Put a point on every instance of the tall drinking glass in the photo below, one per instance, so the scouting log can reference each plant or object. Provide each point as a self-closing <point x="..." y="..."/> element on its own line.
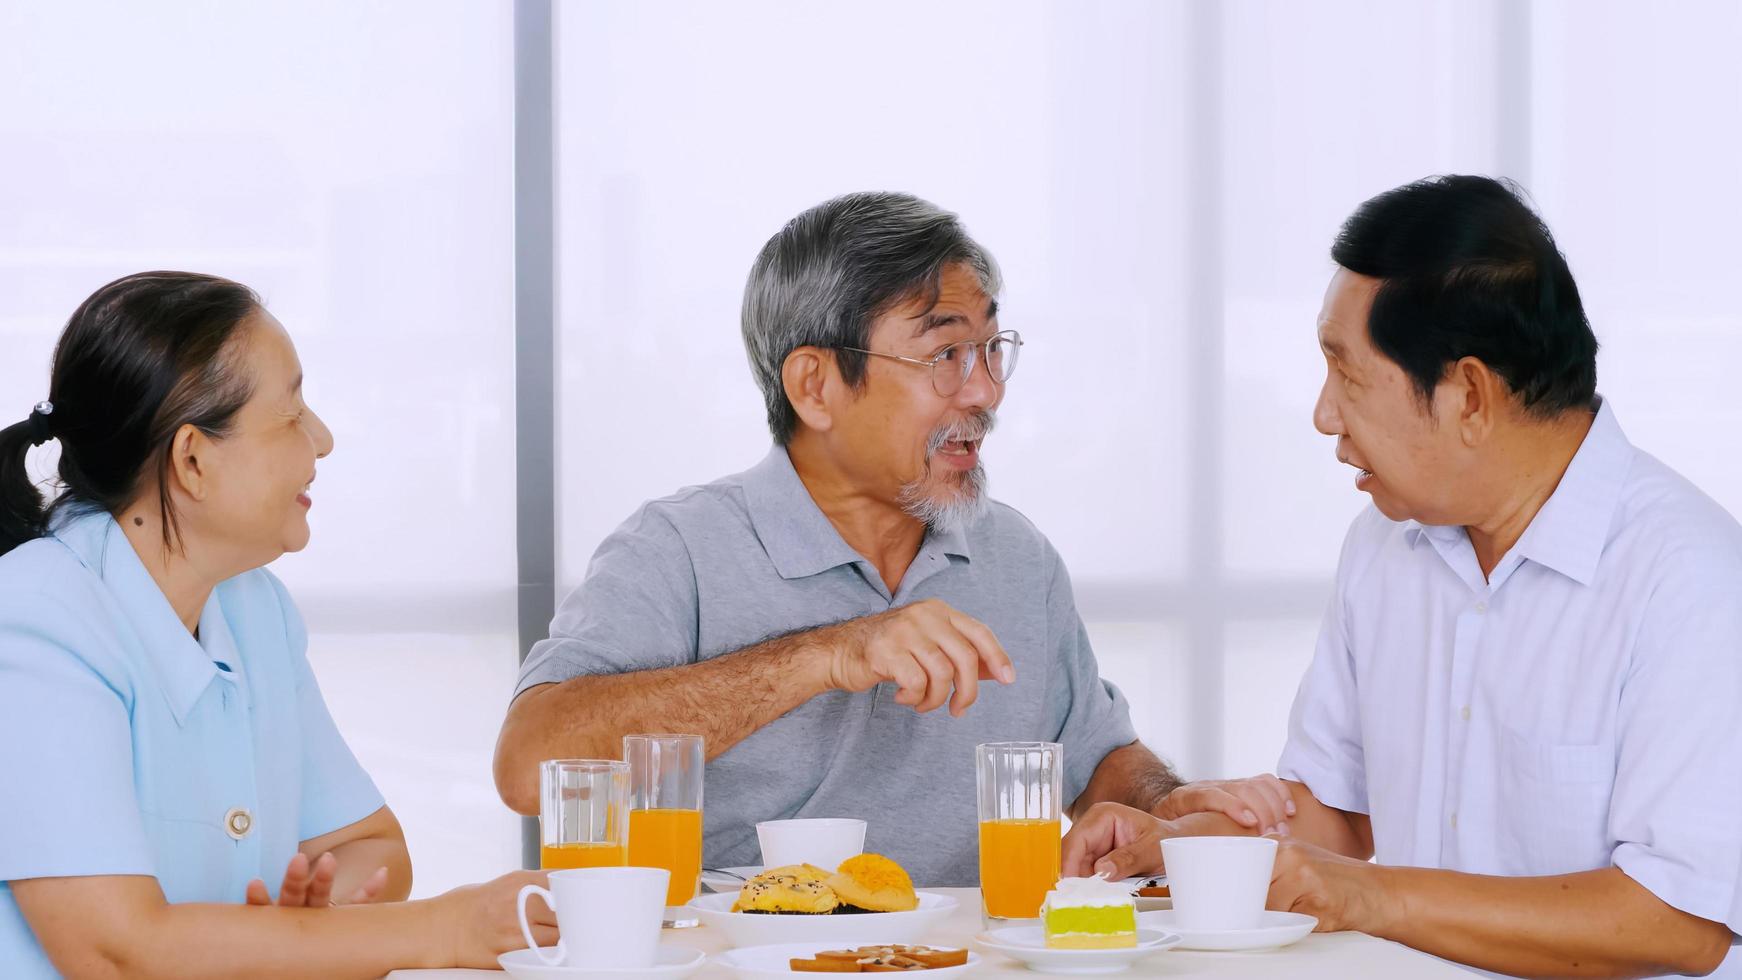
<point x="583" y="813"/>
<point x="1019" y="787"/>
<point x="665" y="813"/>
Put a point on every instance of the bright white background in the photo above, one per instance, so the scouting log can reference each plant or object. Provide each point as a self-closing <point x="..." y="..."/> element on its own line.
<point x="1160" y="182"/>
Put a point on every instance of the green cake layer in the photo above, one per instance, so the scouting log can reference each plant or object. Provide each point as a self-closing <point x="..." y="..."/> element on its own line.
<point x="1103" y="919"/>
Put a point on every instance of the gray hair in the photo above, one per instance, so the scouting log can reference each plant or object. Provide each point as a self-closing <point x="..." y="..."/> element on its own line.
<point x="823" y="279"/>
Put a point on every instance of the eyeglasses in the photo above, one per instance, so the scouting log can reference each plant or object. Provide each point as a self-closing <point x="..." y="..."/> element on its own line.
<point x="951" y="367"/>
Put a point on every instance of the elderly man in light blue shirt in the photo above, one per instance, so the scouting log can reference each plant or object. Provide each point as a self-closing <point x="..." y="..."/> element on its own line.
<point x="1523" y="698"/>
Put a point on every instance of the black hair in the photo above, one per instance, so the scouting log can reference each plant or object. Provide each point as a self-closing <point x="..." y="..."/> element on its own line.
<point x="142" y="357"/>
<point x="1467" y="269"/>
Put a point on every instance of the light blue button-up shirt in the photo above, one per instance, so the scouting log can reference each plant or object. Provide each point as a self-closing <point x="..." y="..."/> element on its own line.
<point x="1574" y="710"/>
<point x="128" y="747"/>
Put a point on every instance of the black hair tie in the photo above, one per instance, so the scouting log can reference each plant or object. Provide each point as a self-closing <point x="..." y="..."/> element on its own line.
<point x="39" y="432"/>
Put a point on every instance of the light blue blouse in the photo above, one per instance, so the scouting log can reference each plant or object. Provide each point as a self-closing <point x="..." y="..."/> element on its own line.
<point x="128" y="747"/>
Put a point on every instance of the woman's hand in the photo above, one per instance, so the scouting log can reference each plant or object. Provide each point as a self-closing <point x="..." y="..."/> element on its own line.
<point x="310" y="885"/>
<point x="482" y="922"/>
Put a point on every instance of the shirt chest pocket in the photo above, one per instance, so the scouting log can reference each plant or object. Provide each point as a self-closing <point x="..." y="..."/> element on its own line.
<point x="196" y="801"/>
<point x="195" y="857"/>
<point x="1554" y="804"/>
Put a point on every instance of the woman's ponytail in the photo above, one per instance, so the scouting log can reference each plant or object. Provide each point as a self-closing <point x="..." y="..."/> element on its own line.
<point x="22" y="516"/>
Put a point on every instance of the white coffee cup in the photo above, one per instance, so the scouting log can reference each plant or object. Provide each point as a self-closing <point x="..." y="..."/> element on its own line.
<point x="1218" y="883"/>
<point x="824" y="842"/>
<point x="608" y="917"/>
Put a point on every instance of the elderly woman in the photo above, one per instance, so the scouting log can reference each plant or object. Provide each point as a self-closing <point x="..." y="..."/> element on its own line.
<point x="164" y="746"/>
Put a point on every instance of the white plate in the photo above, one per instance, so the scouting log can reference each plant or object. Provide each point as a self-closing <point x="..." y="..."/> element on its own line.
<point x="727" y="883"/>
<point x="1275" y="930"/>
<point x="1148" y="904"/>
<point x="1028" y="944"/>
<point x="858" y="929"/>
<point x="773" y="962"/>
<point x="1152" y="904"/>
<point x="672" y="963"/>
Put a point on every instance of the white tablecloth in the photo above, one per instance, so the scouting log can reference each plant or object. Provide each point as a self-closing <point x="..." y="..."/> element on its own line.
<point x="1331" y="956"/>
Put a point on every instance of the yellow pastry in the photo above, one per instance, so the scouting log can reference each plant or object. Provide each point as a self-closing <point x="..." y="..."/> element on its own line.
<point x="873" y="883"/>
<point x="797" y="889"/>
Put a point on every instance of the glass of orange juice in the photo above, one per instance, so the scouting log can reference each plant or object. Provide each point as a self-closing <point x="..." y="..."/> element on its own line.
<point x="1019" y="786"/>
<point x="665" y="814"/>
<point x="583" y="813"/>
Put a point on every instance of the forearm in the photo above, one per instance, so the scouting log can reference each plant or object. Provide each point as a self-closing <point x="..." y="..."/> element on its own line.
<point x="122" y="928"/>
<point x="359" y="859"/>
<point x="376" y="841"/>
<point x="1130" y="774"/>
<point x="220" y="941"/>
<point x="365" y="941"/>
<point x="724" y="699"/>
<point x="1593" y="924"/>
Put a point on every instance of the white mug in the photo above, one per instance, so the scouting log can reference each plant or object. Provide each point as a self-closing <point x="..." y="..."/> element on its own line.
<point x="1218" y="883"/>
<point x="824" y="842"/>
<point x="607" y="917"/>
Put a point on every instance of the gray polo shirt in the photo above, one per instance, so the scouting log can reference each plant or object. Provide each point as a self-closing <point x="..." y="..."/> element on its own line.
<point x="716" y="568"/>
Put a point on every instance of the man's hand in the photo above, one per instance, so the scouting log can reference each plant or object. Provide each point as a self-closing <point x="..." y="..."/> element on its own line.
<point x="1115" y="840"/>
<point x="309" y="885"/>
<point x="1341" y="892"/>
<point x="927" y="649"/>
<point x="1261" y="804"/>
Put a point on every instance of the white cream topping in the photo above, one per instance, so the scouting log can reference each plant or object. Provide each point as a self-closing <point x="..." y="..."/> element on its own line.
<point x="1077" y="893"/>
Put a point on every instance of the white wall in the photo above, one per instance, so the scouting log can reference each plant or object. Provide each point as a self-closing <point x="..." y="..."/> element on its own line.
<point x="1160" y="186"/>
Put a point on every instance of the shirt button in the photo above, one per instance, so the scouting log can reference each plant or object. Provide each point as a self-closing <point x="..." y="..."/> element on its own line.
<point x="1465" y="713"/>
<point x="1481" y="607"/>
<point x="238" y="822"/>
<point x="1454" y="820"/>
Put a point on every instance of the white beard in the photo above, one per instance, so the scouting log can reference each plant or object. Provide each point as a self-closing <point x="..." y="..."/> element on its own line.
<point x="946" y="509"/>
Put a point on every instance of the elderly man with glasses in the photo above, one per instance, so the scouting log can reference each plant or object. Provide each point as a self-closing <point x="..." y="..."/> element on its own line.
<point x="809" y="615"/>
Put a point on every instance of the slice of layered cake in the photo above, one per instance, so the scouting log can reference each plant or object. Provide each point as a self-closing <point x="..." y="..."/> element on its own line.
<point x="1089" y="913"/>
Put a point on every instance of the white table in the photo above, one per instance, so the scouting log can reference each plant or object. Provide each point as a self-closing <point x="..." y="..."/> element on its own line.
<point x="1332" y="956"/>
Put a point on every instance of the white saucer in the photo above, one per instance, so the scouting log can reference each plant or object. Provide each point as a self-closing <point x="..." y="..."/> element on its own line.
<point x="1275" y="930"/>
<point x="1028" y="945"/>
<point x="775" y="962"/>
<point x="727" y="883"/>
<point x="672" y="963"/>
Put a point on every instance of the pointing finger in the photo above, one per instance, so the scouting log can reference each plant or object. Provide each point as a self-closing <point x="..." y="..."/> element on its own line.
<point x="995" y="662"/>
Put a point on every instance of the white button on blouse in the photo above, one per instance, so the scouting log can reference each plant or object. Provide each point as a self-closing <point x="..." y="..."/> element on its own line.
<point x="237" y="823"/>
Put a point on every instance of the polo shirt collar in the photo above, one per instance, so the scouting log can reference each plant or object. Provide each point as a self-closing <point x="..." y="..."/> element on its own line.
<point x="1571" y="530"/>
<point x="951" y="542"/>
<point x="798" y="537"/>
<point x="182" y="666"/>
